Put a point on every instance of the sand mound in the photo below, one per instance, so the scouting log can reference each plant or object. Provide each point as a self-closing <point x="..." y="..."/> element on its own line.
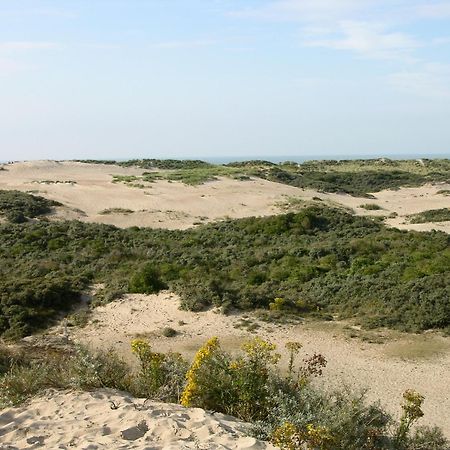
<point x="107" y="419"/>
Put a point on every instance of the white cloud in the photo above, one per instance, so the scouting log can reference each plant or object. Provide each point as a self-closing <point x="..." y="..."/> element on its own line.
<point x="367" y="39"/>
<point x="370" y="28"/>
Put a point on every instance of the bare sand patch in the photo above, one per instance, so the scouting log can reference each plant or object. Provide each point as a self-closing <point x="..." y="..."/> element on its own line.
<point x="107" y="419"/>
<point x="381" y="368"/>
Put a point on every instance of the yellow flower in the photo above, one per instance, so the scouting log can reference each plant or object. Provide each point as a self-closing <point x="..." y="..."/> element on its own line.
<point x="286" y="437"/>
<point x="262" y="350"/>
<point x="140" y="347"/>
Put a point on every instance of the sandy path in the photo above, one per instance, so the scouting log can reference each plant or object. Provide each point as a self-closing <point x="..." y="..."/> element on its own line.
<point x="381" y="368"/>
<point x="86" y="420"/>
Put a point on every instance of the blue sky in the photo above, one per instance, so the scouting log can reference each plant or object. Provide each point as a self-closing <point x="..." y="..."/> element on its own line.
<point x="198" y="78"/>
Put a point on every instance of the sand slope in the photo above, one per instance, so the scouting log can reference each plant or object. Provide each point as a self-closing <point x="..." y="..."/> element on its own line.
<point x="107" y="419"/>
<point x="420" y="362"/>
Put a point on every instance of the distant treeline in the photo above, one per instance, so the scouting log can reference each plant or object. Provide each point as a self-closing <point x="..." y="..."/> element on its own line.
<point x="354" y="177"/>
<point x="318" y="262"/>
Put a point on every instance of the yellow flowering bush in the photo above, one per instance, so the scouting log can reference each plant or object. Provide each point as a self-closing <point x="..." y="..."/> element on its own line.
<point x="234" y="386"/>
<point x="193" y="391"/>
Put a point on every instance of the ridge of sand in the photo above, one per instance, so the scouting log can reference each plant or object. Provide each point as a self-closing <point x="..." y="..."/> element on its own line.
<point x="385" y="369"/>
<point x="108" y="419"/>
<point x="88" y="189"/>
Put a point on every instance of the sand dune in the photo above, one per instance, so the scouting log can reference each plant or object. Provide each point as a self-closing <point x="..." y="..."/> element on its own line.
<point x="87" y="190"/>
<point x="107" y="419"/>
<point x="386" y="369"/>
<point x="161" y="204"/>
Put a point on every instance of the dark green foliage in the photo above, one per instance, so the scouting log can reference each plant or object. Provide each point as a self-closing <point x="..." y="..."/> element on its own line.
<point x="146" y="281"/>
<point x="28" y="304"/>
<point x="354" y="183"/>
<point x="17" y="206"/>
<point x="326" y="259"/>
<point x="432" y="215"/>
<point x="371" y="207"/>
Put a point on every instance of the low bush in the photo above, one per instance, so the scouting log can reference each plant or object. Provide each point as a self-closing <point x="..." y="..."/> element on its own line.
<point x="432" y="215"/>
<point x="371" y="207"/>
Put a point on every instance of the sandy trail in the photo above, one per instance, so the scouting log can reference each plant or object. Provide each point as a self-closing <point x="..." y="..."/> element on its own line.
<point x="88" y="189"/>
<point x="385" y="369"/>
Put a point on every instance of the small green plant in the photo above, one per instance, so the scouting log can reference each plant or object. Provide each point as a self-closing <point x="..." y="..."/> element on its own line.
<point x="116" y="211"/>
<point x="412" y="411"/>
<point x="169" y="332"/>
<point x="371" y="207"/>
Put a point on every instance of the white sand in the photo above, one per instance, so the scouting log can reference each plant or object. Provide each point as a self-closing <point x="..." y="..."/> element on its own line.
<point x="381" y="368"/>
<point x="107" y="419"/>
<point x="177" y="206"/>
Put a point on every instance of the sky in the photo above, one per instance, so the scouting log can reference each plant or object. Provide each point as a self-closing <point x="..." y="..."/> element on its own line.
<point x="111" y="79"/>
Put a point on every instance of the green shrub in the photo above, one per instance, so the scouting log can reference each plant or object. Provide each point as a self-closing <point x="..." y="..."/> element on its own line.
<point x="160" y="376"/>
<point x="432" y="215"/>
<point x="169" y="332"/>
<point x="147" y="281"/>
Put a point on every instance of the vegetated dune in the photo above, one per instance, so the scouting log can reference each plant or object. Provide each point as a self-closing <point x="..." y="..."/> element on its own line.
<point x="386" y="363"/>
<point x="90" y="195"/>
<point x="107" y="419"/>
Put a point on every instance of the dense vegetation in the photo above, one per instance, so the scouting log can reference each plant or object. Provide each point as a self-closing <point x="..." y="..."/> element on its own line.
<point x="357" y="183"/>
<point x="285" y="409"/>
<point x="432" y="215"/>
<point x="18" y="206"/>
<point x="320" y="261"/>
